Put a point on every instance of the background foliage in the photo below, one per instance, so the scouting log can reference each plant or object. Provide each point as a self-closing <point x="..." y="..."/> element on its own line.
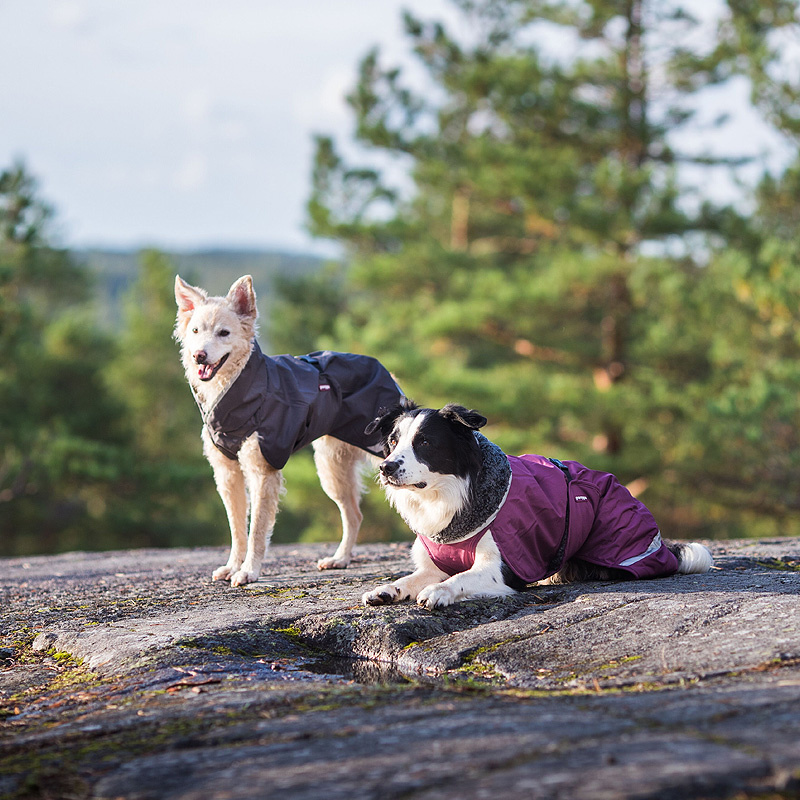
<point x="520" y="238"/>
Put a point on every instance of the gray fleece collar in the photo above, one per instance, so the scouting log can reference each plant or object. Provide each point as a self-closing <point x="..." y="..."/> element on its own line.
<point x="491" y="489"/>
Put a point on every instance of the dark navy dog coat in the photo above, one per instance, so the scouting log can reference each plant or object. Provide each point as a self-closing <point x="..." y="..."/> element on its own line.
<point x="552" y="512"/>
<point x="291" y="400"/>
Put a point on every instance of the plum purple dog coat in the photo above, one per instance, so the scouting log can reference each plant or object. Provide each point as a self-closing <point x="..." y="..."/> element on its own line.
<point x="552" y="512"/>
<point x="291" y="400"/>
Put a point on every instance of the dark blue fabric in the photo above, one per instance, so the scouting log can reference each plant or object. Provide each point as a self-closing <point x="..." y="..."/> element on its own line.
<point x="290" y="401"/>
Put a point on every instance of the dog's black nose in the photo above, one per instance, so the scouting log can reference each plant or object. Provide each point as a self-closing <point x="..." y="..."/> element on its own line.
<point x="389" y="467"/>
<point x="200" y="357"/>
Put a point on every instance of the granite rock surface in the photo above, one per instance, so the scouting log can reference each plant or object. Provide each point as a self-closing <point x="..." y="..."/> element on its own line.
<point x="132" y="675"/>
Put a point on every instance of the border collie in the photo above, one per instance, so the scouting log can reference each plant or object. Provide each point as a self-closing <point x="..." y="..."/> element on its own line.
<point x="488" y="524"/>
<point x="257" y="410"/>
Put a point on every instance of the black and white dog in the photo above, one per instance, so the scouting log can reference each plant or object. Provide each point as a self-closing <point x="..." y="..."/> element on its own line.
<point x="488" y="524"/>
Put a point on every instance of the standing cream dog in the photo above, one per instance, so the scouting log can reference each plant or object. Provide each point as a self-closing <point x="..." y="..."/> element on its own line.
<point x="257" y="410"/>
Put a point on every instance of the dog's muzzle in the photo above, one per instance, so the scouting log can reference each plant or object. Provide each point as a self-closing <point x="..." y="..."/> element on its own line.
<point x="389" y="475"/>
<point x="205" y="370"/>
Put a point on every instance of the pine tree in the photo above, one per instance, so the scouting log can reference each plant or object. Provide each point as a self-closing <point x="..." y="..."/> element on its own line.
<point x="542" y="266"/>
<point x="146" y="371"/>
<point x="60" y="431"/>
<point x="747" y="417"/>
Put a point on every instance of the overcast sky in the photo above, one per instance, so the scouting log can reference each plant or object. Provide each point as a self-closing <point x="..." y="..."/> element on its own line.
<point x="189" y="123"/>
<point x="182" y="122"/>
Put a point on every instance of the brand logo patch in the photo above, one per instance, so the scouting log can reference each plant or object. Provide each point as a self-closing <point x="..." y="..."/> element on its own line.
<point x="580" y="497"/>
<point x="324" y="387"/>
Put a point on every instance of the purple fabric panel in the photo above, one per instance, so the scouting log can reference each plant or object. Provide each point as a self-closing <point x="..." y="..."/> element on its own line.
<point x="623" y="527"/>
<point x="530" y="524"/>
<point x="453" y="558"/>
<point x="657" y="565"/>
<point x="607" y="525"/>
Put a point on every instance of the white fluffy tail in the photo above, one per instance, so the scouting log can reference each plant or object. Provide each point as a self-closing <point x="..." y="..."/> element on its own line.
<point x="694" y="558"/>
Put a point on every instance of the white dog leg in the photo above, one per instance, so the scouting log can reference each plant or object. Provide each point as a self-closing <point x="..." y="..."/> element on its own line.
<point x="426" y="573"/>
<point x="339" y="466"/>
<point x="230" y="485"/>
<point x="483" y="579"/>
<point x="264" y="485"/>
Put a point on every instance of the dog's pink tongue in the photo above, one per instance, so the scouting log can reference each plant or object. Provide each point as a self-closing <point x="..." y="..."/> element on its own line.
<point x="204" y="371"/>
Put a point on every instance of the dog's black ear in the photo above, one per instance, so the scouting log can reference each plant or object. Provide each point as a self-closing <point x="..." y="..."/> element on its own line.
<point x="386" y="418"/>
<point x="464" y="416"/>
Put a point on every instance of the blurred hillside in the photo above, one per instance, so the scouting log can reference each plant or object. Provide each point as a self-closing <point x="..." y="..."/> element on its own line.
<point x="215" y="270"/>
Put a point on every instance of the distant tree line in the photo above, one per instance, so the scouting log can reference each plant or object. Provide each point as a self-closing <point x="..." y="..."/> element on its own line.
<point x="544" y="262"/>
<point x="98" y="442"/>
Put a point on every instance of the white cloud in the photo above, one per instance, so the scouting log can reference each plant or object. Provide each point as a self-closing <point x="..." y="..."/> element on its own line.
<point x="234" y="131"/>
<point x="192" y="172"/>
<point x="325" y="105"/>
<point x="69" y="14"/>
<point x="196" y="106"/>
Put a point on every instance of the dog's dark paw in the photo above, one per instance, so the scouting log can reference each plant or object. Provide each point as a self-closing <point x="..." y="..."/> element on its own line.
<point x="382" y="596"/>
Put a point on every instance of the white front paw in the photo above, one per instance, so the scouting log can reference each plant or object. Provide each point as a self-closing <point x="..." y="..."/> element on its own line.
<point x="382" y="596"/>
<point x="333" y="563"/>
<point x="224" y="573"/>
<point x="244" y="576"/>
<point x="437" y="595"/>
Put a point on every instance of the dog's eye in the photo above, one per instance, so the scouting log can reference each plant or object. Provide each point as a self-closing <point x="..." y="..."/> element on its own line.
<point x="194" y="330"/>
<point x="223" y="332"/>
<point x="422" y="440"/>
<point x="392" y="441"/>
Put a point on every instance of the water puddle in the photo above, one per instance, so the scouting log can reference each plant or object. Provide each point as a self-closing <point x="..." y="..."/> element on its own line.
<point x="356" y="670"/>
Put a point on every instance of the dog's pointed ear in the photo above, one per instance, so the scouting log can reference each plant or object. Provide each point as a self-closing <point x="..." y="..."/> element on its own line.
<point x="242" y="297"/>
<point x="188" y="297"/>
<point x="386" y="418"/>
<point x="464" y="416"/>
